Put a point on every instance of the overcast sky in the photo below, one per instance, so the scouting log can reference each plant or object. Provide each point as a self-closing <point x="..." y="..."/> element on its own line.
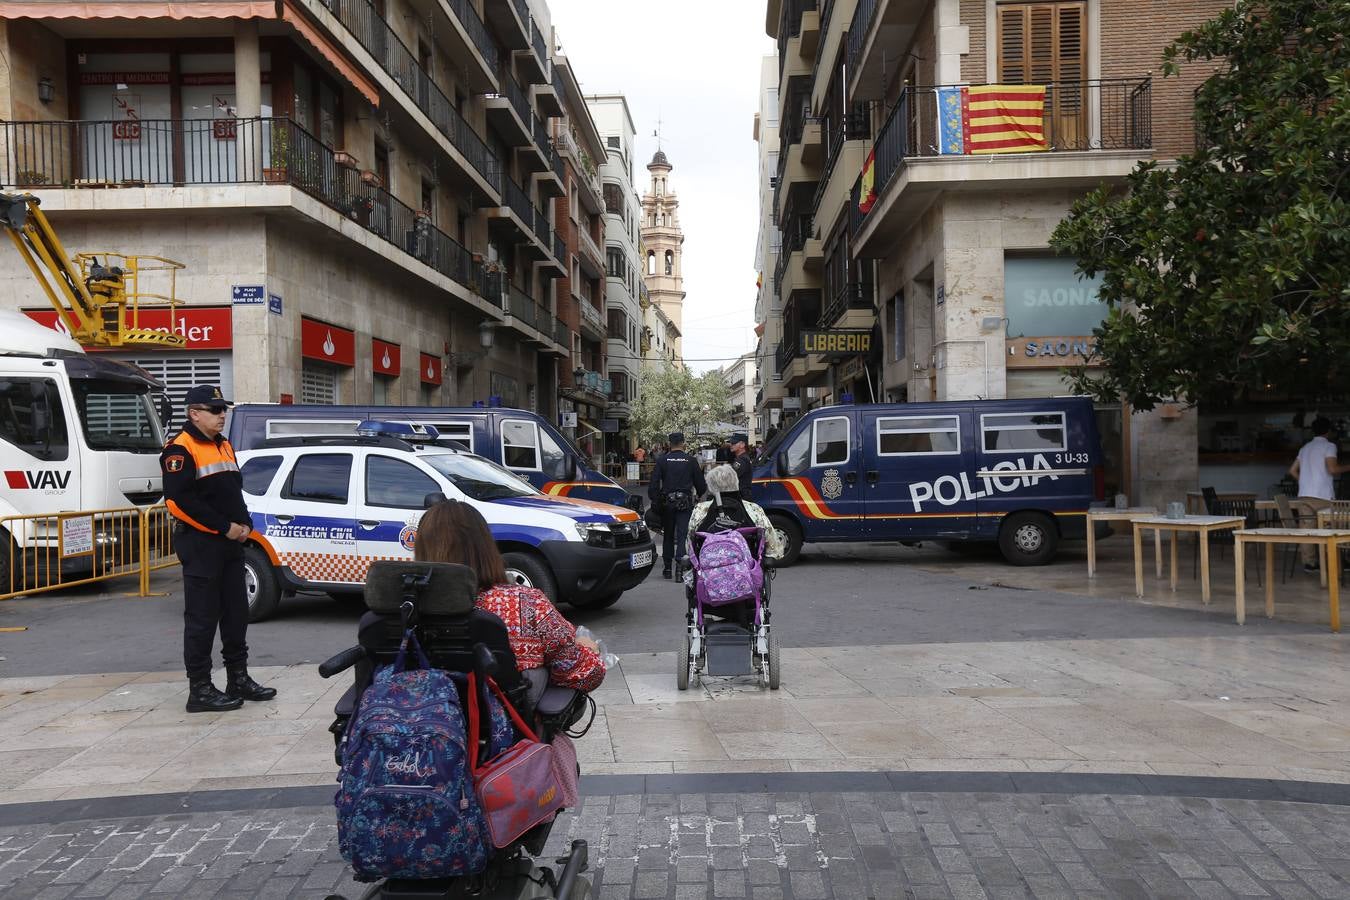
<point x="694" y="65"/>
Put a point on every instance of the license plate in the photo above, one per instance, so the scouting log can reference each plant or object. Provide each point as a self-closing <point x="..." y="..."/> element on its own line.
<point x="638" y="560"/>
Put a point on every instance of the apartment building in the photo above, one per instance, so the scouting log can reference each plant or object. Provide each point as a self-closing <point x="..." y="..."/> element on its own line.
<point x="580" y="217"/>
<point x="742" y="380"/>
<point x="623" y="314"/>
<point x="363" y="193"/>
<point x="768" y="240"/>
<point x="923" y="246"/>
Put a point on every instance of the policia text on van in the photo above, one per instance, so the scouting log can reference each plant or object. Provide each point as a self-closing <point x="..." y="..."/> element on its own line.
<point x="1022" y="472"/>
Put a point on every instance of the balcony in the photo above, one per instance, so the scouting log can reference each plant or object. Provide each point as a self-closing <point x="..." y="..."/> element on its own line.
<point x="592" y="383"/>
<point x="549" y="95"/>
<point x="511" y="22"/>
<point x="1094" y="131"/>
<point x="591" y="258"/>
<point x="845" y="153"/>
<point x="185" y="153"/>
<point x="618" y="408"/>
<point x="523" y="223"/>
<point x="850" y="307"/>
<point x="533" y="62"/>
<point x="798" y="37"/>
<point x="592" y="320"/>
<point x="800" y="313"/>
<point x="393" y="56"/>
<point x="509" y="112"/>
<point x="529" y="318"/>
<point x="879" y="28"/>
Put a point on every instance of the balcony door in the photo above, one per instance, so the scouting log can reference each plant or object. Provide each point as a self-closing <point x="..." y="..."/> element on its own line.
<point x="1044" y="43"/>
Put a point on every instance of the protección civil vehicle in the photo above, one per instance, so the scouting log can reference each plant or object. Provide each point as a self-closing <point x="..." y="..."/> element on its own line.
<point x="1019" y="472"/>
<point x="325" y="507"/>
<point x="522" y="441"/>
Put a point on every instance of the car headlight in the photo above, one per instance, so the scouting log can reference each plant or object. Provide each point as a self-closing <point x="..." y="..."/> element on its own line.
<point x="595" y="534"/>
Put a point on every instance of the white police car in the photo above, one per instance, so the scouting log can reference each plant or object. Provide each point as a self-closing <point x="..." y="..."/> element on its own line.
<point x="325" y="507"/>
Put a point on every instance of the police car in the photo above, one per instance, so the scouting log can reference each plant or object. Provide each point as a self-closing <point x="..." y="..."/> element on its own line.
<point x="325" y="507"/>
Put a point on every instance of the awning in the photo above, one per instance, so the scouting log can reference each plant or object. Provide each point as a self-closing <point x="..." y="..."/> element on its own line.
<point x="205" y="9"/>
<point x="582" y="423"/>
<point x="330" y="52"/>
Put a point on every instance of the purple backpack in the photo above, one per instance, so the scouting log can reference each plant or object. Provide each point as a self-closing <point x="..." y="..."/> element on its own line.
<point x="727" y="570"/>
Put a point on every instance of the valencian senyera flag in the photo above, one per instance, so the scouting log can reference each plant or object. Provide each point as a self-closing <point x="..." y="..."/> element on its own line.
<point x="1004" y="118"/>
<point x="867" y="188"/>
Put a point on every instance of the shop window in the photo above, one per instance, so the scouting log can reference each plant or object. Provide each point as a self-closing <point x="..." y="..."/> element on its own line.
<point x="318" y="383"/>
<point x="381" y="389"/>
<point x="520" y="445"/>
<point x="1043" y="295"/>
<point x="32" y="419"/>
<point x="1018" y="432"/>
<point x="830" y="439"/>
<point x="934" y="436"/>
<point x="394" y="483"/>
<point x="322" y="478"/>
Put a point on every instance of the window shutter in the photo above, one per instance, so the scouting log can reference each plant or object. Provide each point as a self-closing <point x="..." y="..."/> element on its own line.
<point x="1070" y="61"/>
<point x="1041" y="43"/>
<point x="1012" y="54"/>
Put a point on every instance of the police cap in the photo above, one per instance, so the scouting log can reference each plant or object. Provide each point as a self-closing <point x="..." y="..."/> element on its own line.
<point x="738" y="438"/>
<point x="675" y="438"/>
<point x="206" y="395"/>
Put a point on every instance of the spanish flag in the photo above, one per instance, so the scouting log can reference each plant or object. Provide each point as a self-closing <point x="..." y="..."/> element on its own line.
<point x="867" y="191"/>
<point x="1003" y="118"/>
<point x="759" y="280"/>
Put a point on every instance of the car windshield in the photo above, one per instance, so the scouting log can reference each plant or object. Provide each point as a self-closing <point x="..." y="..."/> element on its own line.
<point x="478" y="478"/>
<point x="117" y="416"/>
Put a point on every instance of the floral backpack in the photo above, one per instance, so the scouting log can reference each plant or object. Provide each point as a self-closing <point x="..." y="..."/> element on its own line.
<point x="727" y="570"/>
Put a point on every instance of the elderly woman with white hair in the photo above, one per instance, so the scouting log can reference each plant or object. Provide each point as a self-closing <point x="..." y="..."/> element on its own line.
<point x="728" y="509"/>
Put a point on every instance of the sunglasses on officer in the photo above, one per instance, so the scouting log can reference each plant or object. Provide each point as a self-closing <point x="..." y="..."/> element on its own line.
<point x="213" y="410"/>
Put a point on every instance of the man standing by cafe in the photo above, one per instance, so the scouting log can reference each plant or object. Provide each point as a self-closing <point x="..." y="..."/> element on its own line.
<point x="677" y="484"/>
<point x="1316" y="469"/>
<point x="742" y="463"/>
<point x="204" y="493"/>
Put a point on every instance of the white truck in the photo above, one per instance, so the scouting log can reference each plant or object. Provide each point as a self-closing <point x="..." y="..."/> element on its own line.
<point x="78" y="432"/>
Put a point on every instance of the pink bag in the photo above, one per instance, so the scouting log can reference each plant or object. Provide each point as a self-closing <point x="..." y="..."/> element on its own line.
<point x="519" y="789"/>
<point x="565" y="769"/>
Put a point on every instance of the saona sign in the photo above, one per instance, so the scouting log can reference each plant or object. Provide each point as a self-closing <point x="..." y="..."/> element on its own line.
<point x="950" y="490"/>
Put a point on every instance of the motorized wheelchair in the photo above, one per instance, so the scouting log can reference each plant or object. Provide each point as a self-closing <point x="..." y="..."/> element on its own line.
<point x="729" y="636"/>
<point x="437" y="601"/>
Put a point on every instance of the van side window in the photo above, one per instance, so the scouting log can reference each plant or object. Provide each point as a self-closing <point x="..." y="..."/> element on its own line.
<point x="919" y="436"/>
<point x="323" y="477"/>
<point x="280" y="428"/>
<point x="258" y="473"/>
<point x="1017" y="432"/>
<point x="799" y="452"/>
<point x="454" y="431"/>
<point x="555" y="457"/>
<point x="392" y="482"/>
<point x="520" y="444"/>
<point x="31" y="417"/>
<point x="831" y="442"/>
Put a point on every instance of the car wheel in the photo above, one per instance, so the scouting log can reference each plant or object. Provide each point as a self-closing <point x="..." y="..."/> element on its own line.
<point x="791" y="533"/>
<point x="682" y="664"/>
<point x="1028" y="539"/>
<point x="602" y="601"/>
<point x="528" y="570"/>
<point x="260" y="584"/>
<point x="775" y="662"/>
<point x="11" y="576"/>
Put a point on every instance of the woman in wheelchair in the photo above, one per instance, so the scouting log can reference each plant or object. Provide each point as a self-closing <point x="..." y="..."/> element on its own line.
<point x="455" y="532"/>
<point x="725" y="510"/>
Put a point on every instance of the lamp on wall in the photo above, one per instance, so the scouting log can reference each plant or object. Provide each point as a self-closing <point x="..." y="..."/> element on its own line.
<point x="46" y="89"/>
<point x="467" y="358"/>
<point x="992" y="323"/>
<point x="486" y="332"/>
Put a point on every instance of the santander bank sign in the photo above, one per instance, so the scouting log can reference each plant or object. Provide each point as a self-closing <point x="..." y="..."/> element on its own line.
<point x="202" y="327"/>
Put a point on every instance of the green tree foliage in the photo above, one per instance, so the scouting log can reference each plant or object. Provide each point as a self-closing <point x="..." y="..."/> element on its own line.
<point x="672" y="399"/>
<point x="1230" y="273"/>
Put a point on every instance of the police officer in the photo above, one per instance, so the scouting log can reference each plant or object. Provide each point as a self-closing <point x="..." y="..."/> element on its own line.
<point x="204" y="493"/>
<point x="742" y="463"/>
<point x="677" y="484"/>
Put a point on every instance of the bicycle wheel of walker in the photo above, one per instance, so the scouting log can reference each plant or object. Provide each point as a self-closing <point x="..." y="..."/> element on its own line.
<point x="682" y="664"/>
<point x="775" y="661"/>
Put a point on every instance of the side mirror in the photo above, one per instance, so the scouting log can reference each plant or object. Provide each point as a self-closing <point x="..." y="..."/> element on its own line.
<point x="571" y="472"/>
<point x="165" y="410"/>
<point x="432" y="499"/>
<point x="780" y="465"/>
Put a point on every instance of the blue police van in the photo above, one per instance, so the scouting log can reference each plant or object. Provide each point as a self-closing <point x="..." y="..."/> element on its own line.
<point x="1019" y="472"/>
<point x="522" y="441"/>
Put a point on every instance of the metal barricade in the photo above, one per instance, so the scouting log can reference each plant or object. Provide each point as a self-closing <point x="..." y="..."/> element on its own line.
<point x="157" y="551"/>
<point x="49" y="552"/>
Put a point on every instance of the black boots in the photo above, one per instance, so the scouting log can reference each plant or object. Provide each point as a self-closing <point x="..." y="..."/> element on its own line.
<point x="203" y="697"/>
<point x="239" y="686"/>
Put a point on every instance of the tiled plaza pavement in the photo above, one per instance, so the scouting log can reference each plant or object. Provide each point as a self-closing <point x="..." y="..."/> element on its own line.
<point x="808" y="845"/>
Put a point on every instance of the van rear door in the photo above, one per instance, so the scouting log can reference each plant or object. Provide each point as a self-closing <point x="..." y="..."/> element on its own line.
<point x="1027" y="462"/>
<point x="915" y="483"/>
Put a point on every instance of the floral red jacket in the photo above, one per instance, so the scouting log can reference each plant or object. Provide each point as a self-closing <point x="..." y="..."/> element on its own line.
<point x="542" y="638"/>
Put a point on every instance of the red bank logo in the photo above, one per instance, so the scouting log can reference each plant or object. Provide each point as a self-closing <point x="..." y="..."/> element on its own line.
<point x="37" y="481"/>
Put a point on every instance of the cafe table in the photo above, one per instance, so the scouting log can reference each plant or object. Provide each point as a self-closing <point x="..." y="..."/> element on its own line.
<point x="1113" y="514"/>
<point x="1200" y="526"/>
<point x="1328" y="540"/>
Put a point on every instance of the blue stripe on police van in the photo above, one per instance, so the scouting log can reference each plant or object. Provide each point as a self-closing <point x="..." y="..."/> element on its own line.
<point x="334" y="528"/>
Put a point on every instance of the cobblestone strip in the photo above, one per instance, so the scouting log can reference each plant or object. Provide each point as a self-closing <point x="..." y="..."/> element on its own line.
<point x="786" y="846"/>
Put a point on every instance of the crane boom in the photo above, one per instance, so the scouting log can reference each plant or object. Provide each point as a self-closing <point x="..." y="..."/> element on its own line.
<point x="98" y="302"/>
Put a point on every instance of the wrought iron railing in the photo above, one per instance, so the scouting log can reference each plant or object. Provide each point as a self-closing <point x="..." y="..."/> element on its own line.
<point x="790" y="26"/>
<point x="372" y="32"/>
<point x="857" y="30"/>
<point x="539" y="43"/>
<point x="514" y="93"/>
<point x="184" y="152"/>
<point x="560" y="250"/>
<point x="854" y="127"/>
<point x="518" y="202"/>
<point x="797" y="230"/>
<point x="562" y="335"/>
<point x="1103" y="114"/>
<point x="522" y="10"/>
<point x="478" y="32"/>
<point x="590" y="314"/>
<point x="522" y="306"/>
<point x="850" y="295"/>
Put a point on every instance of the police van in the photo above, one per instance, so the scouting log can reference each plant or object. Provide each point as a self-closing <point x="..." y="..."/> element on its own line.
<point x="325" y="507"/>
<point x="1019" y="472"/>
<point x="524" y="442"/>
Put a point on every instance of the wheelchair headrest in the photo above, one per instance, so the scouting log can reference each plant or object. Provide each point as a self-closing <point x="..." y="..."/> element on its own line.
<point x="449" y="590"/>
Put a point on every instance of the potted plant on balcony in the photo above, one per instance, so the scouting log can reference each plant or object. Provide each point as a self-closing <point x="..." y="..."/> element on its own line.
<point x="281" y="148"/>
<point x="372" y="178"/>
<point x="344" y="160"/>
<point x="30" y="178"/>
